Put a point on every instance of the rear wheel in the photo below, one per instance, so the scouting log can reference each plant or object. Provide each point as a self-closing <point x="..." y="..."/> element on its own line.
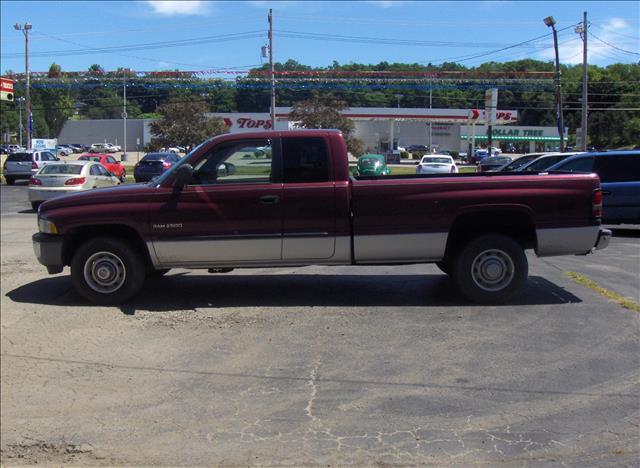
<point x="107" y="271"/>
<point x="490" y="269"/>
<point x="10" y="180"/>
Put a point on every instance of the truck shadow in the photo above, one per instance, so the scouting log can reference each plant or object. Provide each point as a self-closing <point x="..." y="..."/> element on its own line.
<point x="181" y="291"/>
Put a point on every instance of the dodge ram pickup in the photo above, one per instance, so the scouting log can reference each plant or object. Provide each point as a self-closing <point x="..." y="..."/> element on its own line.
<point x="225" y="205"/>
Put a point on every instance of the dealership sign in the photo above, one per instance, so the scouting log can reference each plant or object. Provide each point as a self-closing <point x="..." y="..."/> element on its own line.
<point x="6" y="89"/>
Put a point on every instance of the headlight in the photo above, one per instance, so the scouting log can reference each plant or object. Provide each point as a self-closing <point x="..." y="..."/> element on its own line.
<point x="47" y="227"/>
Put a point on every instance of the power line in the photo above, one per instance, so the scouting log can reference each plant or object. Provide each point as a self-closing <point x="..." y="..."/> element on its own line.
<point x="615" y="47"/>
<point x="146" y="46"/>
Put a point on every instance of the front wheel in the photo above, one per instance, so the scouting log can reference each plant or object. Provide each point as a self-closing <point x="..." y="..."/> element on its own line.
<point x="490" y="269"/>
<point x="107" y="271"/>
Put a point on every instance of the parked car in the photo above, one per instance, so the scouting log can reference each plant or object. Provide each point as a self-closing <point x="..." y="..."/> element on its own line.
<point x="418" y="149"/>
<point x="108" y="161"/>
<point x="393" y="156"/>
<point x="154" y="164"/>
<point x="54" y="180"/>
<point x="372" y="165"/>
<point x="111" y="148"/>
<point x="437" y="164"/>
<point x="544" y="162"/>
<point x="16" y="149"/>
<point x="64" y="150"/>
<point x="103" y="148"/>
<point x="21" y="166"/>
<point x="79" y="148"/>
<point x="517" y="163"/>
<point x="493" y="163"/>
<point x="619" y="173"/>
<point x="303" y="208"/>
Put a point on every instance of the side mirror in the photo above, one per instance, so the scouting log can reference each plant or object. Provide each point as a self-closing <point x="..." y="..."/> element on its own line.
<point x="57" y="158"/>
<point x="183" y="175"/>
<point x="226" y="169"/>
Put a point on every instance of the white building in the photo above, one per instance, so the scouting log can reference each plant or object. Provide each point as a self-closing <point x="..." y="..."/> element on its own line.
<point x="378" y="127"/>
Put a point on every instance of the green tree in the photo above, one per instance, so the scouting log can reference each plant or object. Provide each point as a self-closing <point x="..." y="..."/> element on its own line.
<point x="185" y="124"/>
<point x="324" y="112"/>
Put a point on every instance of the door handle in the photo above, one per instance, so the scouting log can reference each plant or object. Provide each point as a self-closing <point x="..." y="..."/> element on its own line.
<point x="606" y="192"/>
<point x="269" y="199"/>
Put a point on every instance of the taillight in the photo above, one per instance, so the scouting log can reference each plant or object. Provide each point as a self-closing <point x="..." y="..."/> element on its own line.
<point x="35" y="181"/>
<point x="75" y="181"/>
<point x="166" y="164"/>
<point x="34" y="165"/>
<point x="596" y="203"/>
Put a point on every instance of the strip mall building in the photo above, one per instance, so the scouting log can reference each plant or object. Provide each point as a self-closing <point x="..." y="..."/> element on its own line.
<point x="377" y="127"/>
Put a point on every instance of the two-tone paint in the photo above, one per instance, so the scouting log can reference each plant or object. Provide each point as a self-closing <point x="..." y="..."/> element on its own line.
<point x="346" y="220"/>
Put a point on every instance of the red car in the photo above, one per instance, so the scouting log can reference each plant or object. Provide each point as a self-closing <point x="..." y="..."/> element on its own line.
<point x="109" y="162"/>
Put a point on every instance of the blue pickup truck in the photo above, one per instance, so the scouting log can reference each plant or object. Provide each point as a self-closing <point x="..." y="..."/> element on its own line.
<point x="619" y="173"/>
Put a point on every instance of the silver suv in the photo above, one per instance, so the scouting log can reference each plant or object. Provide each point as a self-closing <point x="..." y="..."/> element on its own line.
<point x="24" y="164"/>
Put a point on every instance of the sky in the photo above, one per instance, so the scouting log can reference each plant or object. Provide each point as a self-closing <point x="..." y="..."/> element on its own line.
<point x="200" y="35"/>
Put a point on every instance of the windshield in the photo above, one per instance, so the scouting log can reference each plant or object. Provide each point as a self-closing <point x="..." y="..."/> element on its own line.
<point x="369" y="161"/>
<point x="61" y="169"/>
<point x="432" y="160"/>
<point x="518" y="163"/>
<point x="543" y="163"/>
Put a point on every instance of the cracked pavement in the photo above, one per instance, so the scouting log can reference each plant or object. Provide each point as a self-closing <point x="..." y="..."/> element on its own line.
<point x="318" y="366"/>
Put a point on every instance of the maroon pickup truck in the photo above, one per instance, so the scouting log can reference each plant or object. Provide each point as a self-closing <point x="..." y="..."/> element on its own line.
<point x="276" y="199"/>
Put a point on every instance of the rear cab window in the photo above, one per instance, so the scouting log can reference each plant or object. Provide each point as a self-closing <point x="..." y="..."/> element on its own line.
<point x="305" y="160"/>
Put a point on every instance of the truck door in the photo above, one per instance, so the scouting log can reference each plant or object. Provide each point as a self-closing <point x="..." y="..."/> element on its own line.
<point x="309" y="199"/>
<point x="230" y="213"/>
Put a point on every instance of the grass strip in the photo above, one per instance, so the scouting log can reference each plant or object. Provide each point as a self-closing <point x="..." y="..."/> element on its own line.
<point x="611" y="295"/>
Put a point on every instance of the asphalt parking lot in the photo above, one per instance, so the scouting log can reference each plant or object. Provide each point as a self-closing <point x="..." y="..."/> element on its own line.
<point x="319" y="366"/>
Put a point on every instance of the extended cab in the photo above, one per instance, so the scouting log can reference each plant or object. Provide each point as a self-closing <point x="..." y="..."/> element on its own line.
<point x="221" y="207"/>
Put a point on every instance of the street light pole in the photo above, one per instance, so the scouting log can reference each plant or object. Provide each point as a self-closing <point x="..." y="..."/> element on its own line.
<point x="20" y="125"/>
<point x="25" y="30"/>
<point x="551" y="22"/>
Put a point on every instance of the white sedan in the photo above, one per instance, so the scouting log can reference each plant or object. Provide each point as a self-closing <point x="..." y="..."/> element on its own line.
<point x="61" y="178"/>
<point x="437" y="164"/>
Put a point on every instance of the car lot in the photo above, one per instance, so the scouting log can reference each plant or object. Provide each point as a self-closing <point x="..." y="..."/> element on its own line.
<point x="318" y="365"/>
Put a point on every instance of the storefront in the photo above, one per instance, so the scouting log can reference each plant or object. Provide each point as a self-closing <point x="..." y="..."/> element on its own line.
<point x="523" y="139"/>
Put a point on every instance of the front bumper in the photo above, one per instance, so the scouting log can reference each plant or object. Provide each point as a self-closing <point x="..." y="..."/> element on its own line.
<point x="604" y="237"/>
<point x="48" y="250"/>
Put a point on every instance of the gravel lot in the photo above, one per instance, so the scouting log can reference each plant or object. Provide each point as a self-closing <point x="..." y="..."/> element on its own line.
<point x="319" y="366"/>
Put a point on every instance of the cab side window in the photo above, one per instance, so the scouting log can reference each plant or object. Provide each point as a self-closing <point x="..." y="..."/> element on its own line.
<point x="578" y="165"/>
<point x="46" y="156"/>
<point x="624" y="168"/>
<point x="305" y="160"/>
<point x="238" y="162"/>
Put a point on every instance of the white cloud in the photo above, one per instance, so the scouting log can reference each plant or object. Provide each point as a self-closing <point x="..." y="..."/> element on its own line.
<point x="616" y="23"/>
<point x="176" y="8"/>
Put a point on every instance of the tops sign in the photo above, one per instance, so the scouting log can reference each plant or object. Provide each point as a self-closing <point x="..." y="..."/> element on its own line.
<point x="245" y="123"/>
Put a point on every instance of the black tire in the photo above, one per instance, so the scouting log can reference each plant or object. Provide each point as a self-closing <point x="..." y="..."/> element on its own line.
<point x="35" y="205"/>
<point x="158" y="273"/>
<point x="123" y="270"/>
<point x="490" y="269"/>
<point x="10" y="180"/>
<point x="123" y="177"/>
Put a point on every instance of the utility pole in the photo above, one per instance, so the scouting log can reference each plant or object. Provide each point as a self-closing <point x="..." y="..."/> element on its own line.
<point x="25" y="30"/>
<point x="430" y="123"/>
<point x="273" y="80"/>
<point x="582" y="30"/>
<point x="551" y="22"/>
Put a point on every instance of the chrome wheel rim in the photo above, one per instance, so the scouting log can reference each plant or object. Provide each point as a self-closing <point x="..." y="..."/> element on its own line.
<point x="492" y="270"/>
<point x="104" y="272"/>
